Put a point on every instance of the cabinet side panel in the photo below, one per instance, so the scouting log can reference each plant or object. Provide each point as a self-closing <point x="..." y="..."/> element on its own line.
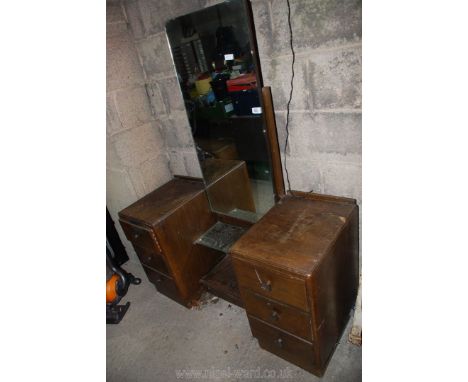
<point x="334" y="285"/>
<point x="177" y="234"/>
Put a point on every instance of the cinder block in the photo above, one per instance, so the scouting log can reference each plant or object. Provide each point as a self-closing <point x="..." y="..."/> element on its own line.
<point x="156" y="56"/>
<point x="209" y="3"/>
<point x="177" y="131"/>
<point x="154" y="15"/>
<point x="336" y="79"/>
<point x="304" y="174"/>
<point x="116" y="29"/>
<point x="119" y="189"/>
<point x="114" y="13"/>
<point x="112" y="158"/>
<point x="155" y="172"/>
<point x="138" y="181"/>
<point x="139" y="144"/>
<point x="176" y="162"/>
<point x="183" y="7"/>
<point x="113" y="124"/>
<point x="342" y="179"/>
<point x="325" y="132"/>
<point x="158" y="108"/>
<point x="192" y="164"/>
<point x="185" y="163"/>
<point x="277" y="74"/>
<point x="133" y="107"/>
<point x="171" y="94"/>
<point x="324" y="158"/>
<point x="134" y="18"/>
<point x="321" y="23"/>
<point x="122" y="67"/>
<point x="263" y="30"/>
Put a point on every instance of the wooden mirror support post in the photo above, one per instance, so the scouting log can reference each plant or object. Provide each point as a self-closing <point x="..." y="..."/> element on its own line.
<point x="270" y="123"/>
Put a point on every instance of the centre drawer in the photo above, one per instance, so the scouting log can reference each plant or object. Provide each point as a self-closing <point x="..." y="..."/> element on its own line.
<point x="139" y="236"/>
<point x="284" y="345"/>
<point x="283" y="316"/>
<point x="278" y="286"/>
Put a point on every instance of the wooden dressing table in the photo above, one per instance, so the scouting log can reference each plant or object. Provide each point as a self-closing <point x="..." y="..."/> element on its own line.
<point x="293" y="263"/>
<point x="295" y="271"/>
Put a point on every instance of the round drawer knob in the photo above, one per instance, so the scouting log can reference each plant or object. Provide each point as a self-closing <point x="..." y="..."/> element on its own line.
<point x="274" y="315"/>
<point x="279" y="342"/>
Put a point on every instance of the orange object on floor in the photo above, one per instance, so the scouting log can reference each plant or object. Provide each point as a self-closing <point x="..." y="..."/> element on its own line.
<point x="111" y="289"/>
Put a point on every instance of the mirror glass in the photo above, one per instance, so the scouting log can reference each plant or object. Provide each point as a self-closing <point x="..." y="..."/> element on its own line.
<point x="219" y="80"/>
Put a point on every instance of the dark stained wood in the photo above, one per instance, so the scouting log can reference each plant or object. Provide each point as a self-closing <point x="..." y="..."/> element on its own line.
<point x="228" y="185"/>
<point x="302" y="255"/>
<point x="169" y="231"/>
<point x="273" y="145"/>
<point x="295" y="234"/>
<point x="323" y="197"/>
<point x="333" y="287"/>
<point x="164" y="284"/>
<point x="220" y="148"/>
<point x="271" y="283"/>
<point x="284" y="345"/>
<point x="275" y="313"/>
<point x="154" y="207"/>
<point x="140" y="236"/>
<point x="228" y="219"/>
<point x="222" y="282"/>
<point x="152" y="259"/>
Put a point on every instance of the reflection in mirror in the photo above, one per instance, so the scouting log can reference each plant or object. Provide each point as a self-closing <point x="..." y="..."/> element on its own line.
<point x="218" y="77"/>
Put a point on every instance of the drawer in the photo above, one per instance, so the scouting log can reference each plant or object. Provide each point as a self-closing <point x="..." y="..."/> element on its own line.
<point x="283" y="316"/>
<point x="164" y="284"/>
<point x="140" y="236"/>
<point x="153" y="259"/>
<point x="279" y="286"/>
<point x="284" y="345"/>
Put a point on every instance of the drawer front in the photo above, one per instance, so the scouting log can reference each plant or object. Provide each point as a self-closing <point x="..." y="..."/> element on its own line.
<point x="283" y="316"/>
<point x="164" y="284"/>
<point x="153" y="259"/>
<point x="140" y="237"/>
<point x="284" y="345"/>
<point x="271" y="284"/>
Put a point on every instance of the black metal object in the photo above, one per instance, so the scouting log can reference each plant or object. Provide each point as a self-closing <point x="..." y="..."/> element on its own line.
<point x="114" y="312"/>
<point x="118" y="250"/>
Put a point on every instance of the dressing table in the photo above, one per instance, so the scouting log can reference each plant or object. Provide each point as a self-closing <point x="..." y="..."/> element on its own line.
<point x="290" y="259"/>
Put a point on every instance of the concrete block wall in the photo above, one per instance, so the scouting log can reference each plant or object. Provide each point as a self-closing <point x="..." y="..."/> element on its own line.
<point x="137" y="158"/>
<point x="147" y="20"/>
<point x="324" y="151"/>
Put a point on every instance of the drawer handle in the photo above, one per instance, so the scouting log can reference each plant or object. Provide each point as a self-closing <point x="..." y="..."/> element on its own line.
<point x="136" y="235"/>
<point x="274" y="315"/>
<point x="279" y="342"/>
<point x="264" y="285"/>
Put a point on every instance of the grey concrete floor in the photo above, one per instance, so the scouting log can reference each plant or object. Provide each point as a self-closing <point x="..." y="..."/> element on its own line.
<point x="159" y="338"/>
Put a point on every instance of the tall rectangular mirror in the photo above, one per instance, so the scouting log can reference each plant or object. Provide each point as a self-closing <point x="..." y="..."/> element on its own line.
<point x="220" y="80"/>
